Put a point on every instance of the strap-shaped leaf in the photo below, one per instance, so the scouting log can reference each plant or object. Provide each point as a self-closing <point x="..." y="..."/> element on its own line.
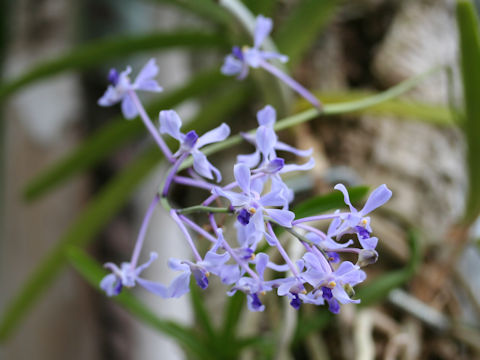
<point x="468" y="27"/>
<point x="233" y="311"/>
<point x="94" y="53"/>
<point x="202" y="318"/>
<point x="264" y="7"/>
<point x="105" y="205"/>
<point x="405" y="109"/>
<point x="115" y="134"/>
<point x="206" y="9"/>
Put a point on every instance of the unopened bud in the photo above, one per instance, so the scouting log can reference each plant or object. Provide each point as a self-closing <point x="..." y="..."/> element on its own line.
<point x="367" y="257"/>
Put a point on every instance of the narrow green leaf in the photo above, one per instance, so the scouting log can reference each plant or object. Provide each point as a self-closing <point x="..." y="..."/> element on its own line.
<point x="113" y="135"/>
<point x="380" y="287"/>
<point x="233" y="311"/>
<point x="332" y="201"/>
<point x="311" y="322"/>
<point x="91" y="271"/>
<point x="264" y="7"/>
<point x="204" y="8"/>
<point x="301" y="28"/>
<point x="201" y="314"/>
<point x="468" y="27"/>
<point x="101" y="209"/>
<point x="94" y="53"/>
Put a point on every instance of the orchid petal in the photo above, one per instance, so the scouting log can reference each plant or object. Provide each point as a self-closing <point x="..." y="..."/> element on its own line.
<point x="129" y="109"/>
<point x="377" y="198"/>
<point x="368" y="244"/>
<point x="231" y="66"/>
<point x="261" y="263"/>
<point x="294" y="167"/>
<point x="203" y="167"/>
<point x="242" y="176"/>
<point x="218" y="134"/>
<point x="180" y="285"/>
<point x="235" y="199"/>
<point x="346" y="196"/>
<point x="267" y="116"/>
<point x="111" y="285"/>
<point x="251" y="160"/>
<point x="266" y="140"/>
<point x="341" y="295"/>
<point x="153" y="257"/>
<point x="110" y="97"/>
<point x="282" y="217"/>
<point x="154" y="287"/>
<point x="263" y="27"/>
<point x="170" y="123"/>
<point x="144" y="80"/>
<point x="298" y="152"/>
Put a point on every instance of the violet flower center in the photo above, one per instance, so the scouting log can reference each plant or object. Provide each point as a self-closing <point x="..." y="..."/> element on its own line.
<point x="113" y="77"/>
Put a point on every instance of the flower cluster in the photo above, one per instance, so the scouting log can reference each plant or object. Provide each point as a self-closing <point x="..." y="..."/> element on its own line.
<point x="258" y="202"/>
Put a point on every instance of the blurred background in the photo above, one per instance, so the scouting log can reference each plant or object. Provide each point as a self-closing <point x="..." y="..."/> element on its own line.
<point x="75" y="174"/>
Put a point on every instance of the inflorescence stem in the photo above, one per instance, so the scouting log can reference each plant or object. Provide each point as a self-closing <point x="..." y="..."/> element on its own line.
<point x="143" y="231"/>
<point x="151" y="128"/>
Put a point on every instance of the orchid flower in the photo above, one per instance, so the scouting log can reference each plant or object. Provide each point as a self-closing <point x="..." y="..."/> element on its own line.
<point x="121" y="85"/>
<point x="241" y="59"/>
<point x="190" y="143"/>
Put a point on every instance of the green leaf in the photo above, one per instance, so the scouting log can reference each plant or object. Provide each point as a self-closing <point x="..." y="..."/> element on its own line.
<point x="233" y="311"/>
<point x="98" y="52"/>
<point x="264" y="7"/>
<point x="334" y="200"/>
<point x="101" y="209"/>
<point x="201" y="314"/>
<point x="467" y="22"/>
<point x="311" y="322"/>
<point x="204" y="8"/>
<point x="113" y="135"/>
<point x="301" y="28"/>
<point x="379" y="288"/>
<point x="411" y="110"/>
<point x="93" y="273"/>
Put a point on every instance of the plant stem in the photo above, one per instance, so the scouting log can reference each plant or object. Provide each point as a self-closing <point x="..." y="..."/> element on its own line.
<point x="151" y="128"/>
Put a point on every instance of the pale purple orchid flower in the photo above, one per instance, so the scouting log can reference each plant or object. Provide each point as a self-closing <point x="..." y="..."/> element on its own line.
<point x="250" y="206"/>
<point x="190" y="143"/>
<point x="357" y="221"/>
<point x="331" y="283"/>
<point x="265" y="157"/>
<point x="241" y="59"/>
<point x="121" y="85"/>
<point x="128" y="276"/>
